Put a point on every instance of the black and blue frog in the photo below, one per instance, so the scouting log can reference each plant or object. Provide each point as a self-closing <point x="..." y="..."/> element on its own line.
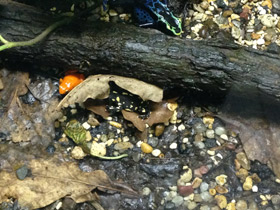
<point x="154" y="14"/>
<point x="120" y="99"/>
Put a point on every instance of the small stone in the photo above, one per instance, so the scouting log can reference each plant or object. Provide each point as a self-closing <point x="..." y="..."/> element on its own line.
<point x="235" y="32"/>
<point x="227" y="13"/>
<point x="206" y="196"/>
<point x="1" y="84"/>
<point x="86" y="125"/>
<point x="270" y="35"/>
<point x="248" y="184"/>
<point x="199" y="144"/>
<point x="199" y="128"/>
<point x="212" y="191"/>
<point x="191" y="205"/>
<point x="112" y="13"/>
<point x="93" y="121"/>
<point x="115" y="124"/>
<point x="256" y="179"/>
<point x="253" y="206"/>
<point x="268" y="20"/>
<point x="22" y="172"/>
<point x="234" y="16"/>
<point x="231" y="206"/>
<point x="187" y="176"/>
<point x="185" y="190"/>
<point x="267" y="3"/>
<point x="242" y="174"/>
<point x="146" y="191"/>
<point x="122" y="146"/>
<point x="245" y="13"/>
<point x="211" y="152"/>
<point x="224" y="137"/>
<point x="181" y="127"/>
<point x="196" y="182"/>
<point x="204" y="208"/>
<point x="221" y="201"/>
<point x="78" y="153"/>
<point x="255" y="188"/>
<point x="243" y="160"/>
<point x="98" y="149"/>
<point x="204" y="5"/>
<point x="146" y="148"/>
<point x="204" y="187"/>
<point x="275" y="199"/>
<point x="197" y="198"/>
<point x="221" y="179"/>
<point x="241" y="205"/>
<point x="220" y="130"/>
<point x="260" y="41"/>
<point x="156" y="152"/>
<point x="88" y="136"/>
<point x="178" y="200"/>
<point x="215" y="208"/>
<point x="210" y="134"/>
<point x="199" y="137"/>
<point x="159" y="129"/>
<point x="208" y="121"/>
<point x="221" y="189"/>
<point x="173" y="145"/>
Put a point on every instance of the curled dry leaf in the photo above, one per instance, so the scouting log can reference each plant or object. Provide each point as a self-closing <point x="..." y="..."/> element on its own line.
<point x="159" y="114"/>
<point x="97" y="87"/>
<point x="52" y="180"/>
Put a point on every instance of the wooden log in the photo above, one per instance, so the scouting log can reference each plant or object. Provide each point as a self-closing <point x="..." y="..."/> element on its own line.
<point x="211" y="67"/>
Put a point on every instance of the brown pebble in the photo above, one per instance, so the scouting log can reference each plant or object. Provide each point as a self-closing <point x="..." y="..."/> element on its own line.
<point x="159" y="129"/>
<point x="203" y="169"/>
<point x="146" y="148"/>
<point x="255" y="36"/>
<point x="185" y="190"/>
<point x="221" y="189"/>
<point x="196" y="182"/>
<point x="245" y="13"/>
<point x="243" y="160"/>
<point x="256" y="179"/>
<point x="227" y="13"/>
<point x="242" y="174"/>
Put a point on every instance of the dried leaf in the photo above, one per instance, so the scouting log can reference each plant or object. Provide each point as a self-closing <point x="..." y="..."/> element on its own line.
<point x="97" y="107"/>
<point x="52" y="180"/>
<point x="159" y="114"/>
<point x="97" y="87"/>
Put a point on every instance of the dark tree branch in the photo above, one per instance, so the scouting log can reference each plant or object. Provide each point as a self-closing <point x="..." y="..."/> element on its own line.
<point x="210" y="67"/>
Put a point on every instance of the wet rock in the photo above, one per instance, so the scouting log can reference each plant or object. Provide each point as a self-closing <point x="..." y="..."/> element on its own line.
<point x="261" y="170"/>
<point x="273" y="48"/>
<point x="209" y="143"/>
<point x="241" y="205"/>
<point x="22" y="172"/>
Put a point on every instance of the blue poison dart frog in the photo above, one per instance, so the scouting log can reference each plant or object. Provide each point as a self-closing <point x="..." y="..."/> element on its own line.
<point x="120" y="99"/>
<point x="153" y="13"/>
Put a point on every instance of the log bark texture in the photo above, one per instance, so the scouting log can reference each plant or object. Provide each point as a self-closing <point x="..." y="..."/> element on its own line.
<point x="212" y="67"/>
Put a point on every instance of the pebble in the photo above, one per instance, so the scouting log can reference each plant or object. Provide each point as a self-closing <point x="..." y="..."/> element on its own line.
<point x="221" y="201"/>
<point x="146" y="148"/>
<point x="204" y="208"/>
<point x="187" y="176"/>
<point x="206" y="196"/>
<point x="204" y="5"/>
<point x="122" y="146"/>
<point x="199" y="128"/>
<point x="255" y="188"/>
<point x="22" y="172"/>
<point x="253" y="206"/>
<point x="212" y="191"/>
<point x="181" y="127"/>
<point x="275" y="199"/>
<point x="243" y="160"/>
<point x="98" y="149"/>
<point x="88" y="136"/>
<point x="191" y="205"/>
<point x="178" y="200"/>
<point x="197" y="198"/>
<point x="146" y="191"/>
<point x="215" y="208"/>
<point x="220" y="130"/>
<point x="115" y="124"/>
<point x="156" y="152"/>
<point x="199" y="144"/>
<point x="196" y="182"/>
<point x="241" y="205"/>
<point x="185" y="190"/>
<point x="211" y="152"/>
<point x="221" y="189"/>
<point x="204" y="187"/>
<point x="173" y="145"/>
<point x="221" y="179"/>
<point x="235" y="32"/>
<point x="1" y="84"/>
<point x="242" y="174"/>
<point x="78" y="153"/>
<point x="224" y="137"/>
<point x="210" y="134"/>
<point x="86" y="125"/>
<point x="231" y="206"/>
<point x="268" y="20"/>
<point x="112" y="13"/>
<point x="159" y="129"/>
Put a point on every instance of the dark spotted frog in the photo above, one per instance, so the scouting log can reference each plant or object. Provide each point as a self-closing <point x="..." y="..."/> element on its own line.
<point x="153" y="13"/>
<point x="120" y="99"/>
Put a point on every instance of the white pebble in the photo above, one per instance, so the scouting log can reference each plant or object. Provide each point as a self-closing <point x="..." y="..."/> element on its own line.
<point x="138" y="144"/>
<point x="73" y="111"/>
<point x="260" y="41"/>
<point x="224" y="137"/>
<point x="173" y="146"/>
<point x="181" y="127"/>
<point x="185" y="140"/>
<point x="125" y="139"/>
<point x="210" y="152"/>
<point x="255" y="188"/>
<point x="210" y="134"/>
<point x="146" y="191"/>
<point x="86" y="125"/>
<point x="173" y="188"/>
<point x="156" y="152"/>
